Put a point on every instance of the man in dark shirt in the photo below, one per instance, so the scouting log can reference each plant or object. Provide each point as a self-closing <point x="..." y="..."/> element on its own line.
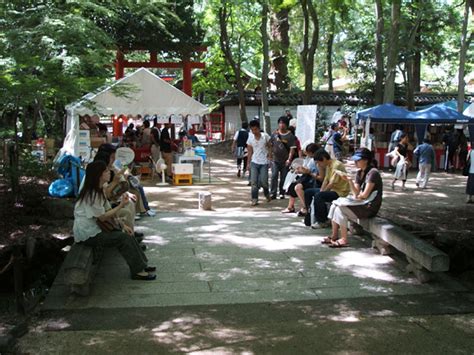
<point x="283" y="148"/>
<point x="165" y="147"/>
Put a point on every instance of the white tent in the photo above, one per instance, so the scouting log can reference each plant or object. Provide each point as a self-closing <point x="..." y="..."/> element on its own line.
<point x="469" y="111"/>
<point x="145" y="93"/>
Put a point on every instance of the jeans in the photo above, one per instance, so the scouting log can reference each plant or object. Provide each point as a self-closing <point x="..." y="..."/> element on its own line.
<point x="239" y="163"/>
<point x="144" y="200"/>
<point x="423" y="175"/>
<point x="309" y="195"/>
<point x="278" y="169"/>
<point x="258" y="179"/>
<point x="320" y="209"/>
<point x="127" y="246"/>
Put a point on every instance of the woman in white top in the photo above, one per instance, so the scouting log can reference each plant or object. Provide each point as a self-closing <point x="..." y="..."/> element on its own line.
<point x="92" y="206"/>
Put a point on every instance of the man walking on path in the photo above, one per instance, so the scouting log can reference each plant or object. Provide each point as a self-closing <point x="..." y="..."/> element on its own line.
<point x="425" y="155"/>
<point x="259" y="155"/>
<point x="283" y="148"/>
<point x="333" y="187"/>
<point x="239" y="147"/>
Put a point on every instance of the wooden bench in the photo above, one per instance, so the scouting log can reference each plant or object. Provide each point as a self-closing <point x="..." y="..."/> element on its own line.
<point x="80" y="266"/>
<point x="423" y="258"/>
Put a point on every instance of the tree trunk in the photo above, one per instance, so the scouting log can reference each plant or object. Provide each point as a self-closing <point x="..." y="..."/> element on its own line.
<point x="225" y="45"/>
<point x="379" y="70"/>
<point x="280" y="44"/>
<point x="392" y="59"/>
<point x="410" y="84"/>
<point x="265" y="68"/>
<point x="330" y="44"/>
<point x="309" y="49"/>
<point x="462" y="57"/>
<point x="417" y="62"/>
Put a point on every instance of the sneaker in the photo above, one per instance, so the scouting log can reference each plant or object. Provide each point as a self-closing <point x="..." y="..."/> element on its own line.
<point x="150" y="213"/>
<point x="317" y="225"/>
<point x="254" y="202"/>
<point x="269" y="198"/>
<point x="273" y="197"/>
<point x="137" y="218"/>
<point x="281" y="197"/>
<point x="417" y="184"/>
<point x="249" y="184"/>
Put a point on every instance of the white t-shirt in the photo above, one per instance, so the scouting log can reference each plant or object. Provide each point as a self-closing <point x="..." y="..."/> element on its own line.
<point x="85" y="216"/>
<point x="471" y="155"/>
<point x="336" y="116"/>
<point x="260" y="148"/>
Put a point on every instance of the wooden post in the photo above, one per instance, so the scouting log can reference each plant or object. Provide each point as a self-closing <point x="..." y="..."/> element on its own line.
<point x="119" y="65"/>
<point x="187" y="78"/>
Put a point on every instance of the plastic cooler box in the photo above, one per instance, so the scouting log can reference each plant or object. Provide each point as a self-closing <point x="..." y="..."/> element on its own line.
<point x="182" y="169"/>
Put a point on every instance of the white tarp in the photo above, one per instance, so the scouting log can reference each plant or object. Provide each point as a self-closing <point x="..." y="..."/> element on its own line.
<point x="145" y="94"/>
<point x="306" y="122"/>
<point x="469" y="111"/>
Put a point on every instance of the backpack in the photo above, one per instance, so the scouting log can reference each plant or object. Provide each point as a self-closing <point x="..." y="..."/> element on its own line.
<point x="242" y="138"/>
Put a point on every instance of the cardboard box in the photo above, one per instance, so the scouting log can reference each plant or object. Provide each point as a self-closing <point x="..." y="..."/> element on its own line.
<point x="182" y="169"/>
<point x="84" y="134"/>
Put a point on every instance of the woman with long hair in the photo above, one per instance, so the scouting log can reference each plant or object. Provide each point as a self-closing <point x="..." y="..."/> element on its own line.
<point x="92" y="206"/>
<point x="367" y="192"/>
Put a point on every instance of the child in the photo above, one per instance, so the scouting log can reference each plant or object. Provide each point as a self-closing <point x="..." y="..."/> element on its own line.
<point x="425" y="154"/>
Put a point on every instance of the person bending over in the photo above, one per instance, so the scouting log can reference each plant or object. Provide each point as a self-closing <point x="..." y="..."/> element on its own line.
<point x="332" y="188"/>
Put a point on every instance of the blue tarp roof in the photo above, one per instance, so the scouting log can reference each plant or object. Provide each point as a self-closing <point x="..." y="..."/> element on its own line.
<point x="389" y="113"/>
<point x="452" y="104"/>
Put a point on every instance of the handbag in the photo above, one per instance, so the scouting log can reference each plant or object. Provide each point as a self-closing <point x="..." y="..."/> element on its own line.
<point x="467" y="166"/>
<point x="109" y="225"/>
<point x="240" y="152"/>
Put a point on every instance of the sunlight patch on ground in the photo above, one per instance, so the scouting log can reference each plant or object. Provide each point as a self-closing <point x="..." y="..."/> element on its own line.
<point x="187" y="333"/>
<point x="269" y="244"/>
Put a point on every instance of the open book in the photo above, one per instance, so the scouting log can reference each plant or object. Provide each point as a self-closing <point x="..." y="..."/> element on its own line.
<point x="351" y="201"/>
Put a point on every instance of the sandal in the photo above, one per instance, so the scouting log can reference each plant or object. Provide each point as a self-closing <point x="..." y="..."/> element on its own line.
<point x="337" y="244"/>
<point x="302" y="212"/>
<point x="328" y="240"/>
<point x="288" y="210"/>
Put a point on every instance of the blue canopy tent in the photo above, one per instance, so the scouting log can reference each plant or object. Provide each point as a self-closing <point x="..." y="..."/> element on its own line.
<point x="437" y="114"/>
<point x="451" y="103"/>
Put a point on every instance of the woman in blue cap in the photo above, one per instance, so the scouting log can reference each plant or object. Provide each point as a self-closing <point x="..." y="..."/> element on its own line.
<point x="367" y="192"/>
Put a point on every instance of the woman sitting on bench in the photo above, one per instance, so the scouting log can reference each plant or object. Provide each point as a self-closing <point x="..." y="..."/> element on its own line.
<point x="366" y="201"/>
<point x="92" y="207"/>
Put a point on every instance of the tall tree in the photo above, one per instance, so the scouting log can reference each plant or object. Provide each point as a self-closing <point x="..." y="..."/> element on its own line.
<point x="265" y="67"/>
<point x="280" y="42"/>
<point x="462" y="53"/>
<point x="225" y="16"/>
<point x="379" y="62"/>
<point x="310" y="44"/>
<point x="392" y="57"/>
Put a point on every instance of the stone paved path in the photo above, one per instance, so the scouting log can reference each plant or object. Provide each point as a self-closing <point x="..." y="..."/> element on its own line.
<point x="244" y="256"/>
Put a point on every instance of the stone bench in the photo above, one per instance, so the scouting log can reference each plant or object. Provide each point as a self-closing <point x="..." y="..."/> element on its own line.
<point x="424" y="259"/>
<point x="80" y="266"/>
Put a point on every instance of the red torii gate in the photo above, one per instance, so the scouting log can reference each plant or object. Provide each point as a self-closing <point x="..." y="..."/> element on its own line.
<point x="185" y="64"/>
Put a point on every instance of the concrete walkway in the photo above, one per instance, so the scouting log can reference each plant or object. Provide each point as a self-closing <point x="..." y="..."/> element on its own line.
<point x="236" y="256"/>
<point x="242" y="280"/>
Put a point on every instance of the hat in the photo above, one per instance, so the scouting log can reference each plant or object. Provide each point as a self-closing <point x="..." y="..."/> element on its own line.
<point x="362" y="154"/>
